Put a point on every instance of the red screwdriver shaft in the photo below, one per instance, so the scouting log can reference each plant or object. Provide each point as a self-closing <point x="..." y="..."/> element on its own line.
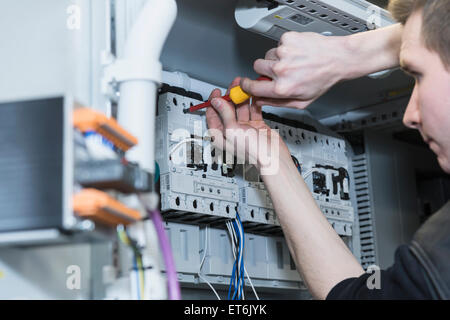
<point x="207" y="104"/>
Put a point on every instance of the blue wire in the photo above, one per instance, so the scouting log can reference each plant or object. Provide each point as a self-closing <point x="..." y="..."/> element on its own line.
<point x="238" y="288"/>
<point x="237" y="259"/>
<point x="242" y="252"/>
<point x="236" y="283"/>
<point x="240" y="283"/>
<point x="241" y="275"/>
<point x="232" y="279"/>
<point x="137" y="277"/>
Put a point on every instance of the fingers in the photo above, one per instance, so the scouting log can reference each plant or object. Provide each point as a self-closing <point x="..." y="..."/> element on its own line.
<point x="234" y="83"/>
<point x="212" y="117"/>
<point x="255" y="111"/>
<point x="226" y="111"/>
<point x="243" y="112"/>
<point x="265" y="67"/>
<point x="216" y="93"/>
<point x="258" y="88"/>
<point x="271" y="54"/>
<point x="289" y="103"/>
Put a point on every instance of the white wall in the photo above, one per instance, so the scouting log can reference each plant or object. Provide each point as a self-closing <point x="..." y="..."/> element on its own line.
<point x="34" y="49"/>
<point x="40" y="56"/>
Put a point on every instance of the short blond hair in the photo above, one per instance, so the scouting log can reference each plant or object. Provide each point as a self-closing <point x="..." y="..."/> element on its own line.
<point x="436" y="22"/>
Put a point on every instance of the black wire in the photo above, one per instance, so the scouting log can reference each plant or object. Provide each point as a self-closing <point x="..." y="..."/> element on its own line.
<point x="296" y="162"/>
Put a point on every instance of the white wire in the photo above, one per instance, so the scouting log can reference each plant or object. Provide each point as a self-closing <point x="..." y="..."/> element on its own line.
<point x="307" y="173"/>
<point x="182" y="142"/>
<point x="201" y="265"/>
<point x="248" y="277"/>
<point x="232" y="233"/>
<point x="251" y="283"/>
<point x="241" y="256"/>
<point x="232" y="238"/>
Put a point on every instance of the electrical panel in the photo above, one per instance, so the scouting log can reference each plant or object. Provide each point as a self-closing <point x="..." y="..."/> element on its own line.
<point x="192" y="190"/>
<point x="198" y="185"/>
<point x="323" y="163"/>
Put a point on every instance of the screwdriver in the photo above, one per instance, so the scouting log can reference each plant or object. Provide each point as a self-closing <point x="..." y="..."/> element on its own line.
<point x="237" y="96"/>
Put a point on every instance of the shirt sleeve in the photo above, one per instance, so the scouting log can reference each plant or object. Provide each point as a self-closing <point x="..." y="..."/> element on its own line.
<point x="404" y="280"/>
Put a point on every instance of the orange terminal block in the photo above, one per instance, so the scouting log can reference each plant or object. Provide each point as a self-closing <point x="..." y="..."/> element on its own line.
<point x="85" y="119"/>
<point x="100" y="207"/>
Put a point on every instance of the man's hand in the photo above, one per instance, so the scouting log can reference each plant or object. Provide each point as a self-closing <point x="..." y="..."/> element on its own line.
<point x="242" y="131"/>
<point x="303" y="67"/>
<point x="306" y="65"/>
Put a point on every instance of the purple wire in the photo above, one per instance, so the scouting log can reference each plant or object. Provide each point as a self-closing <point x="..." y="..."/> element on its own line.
<point x="172" y="279"/>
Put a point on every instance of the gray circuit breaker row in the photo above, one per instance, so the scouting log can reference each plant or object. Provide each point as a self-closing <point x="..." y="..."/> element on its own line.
<point x="200" y="184"/>
<point x="267" y="259"/>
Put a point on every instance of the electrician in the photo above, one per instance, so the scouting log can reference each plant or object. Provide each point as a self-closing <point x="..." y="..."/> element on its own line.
<point x="303" y="67"/>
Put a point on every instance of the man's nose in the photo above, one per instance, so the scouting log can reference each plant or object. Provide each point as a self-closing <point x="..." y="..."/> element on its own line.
<point x="412" y="118"/>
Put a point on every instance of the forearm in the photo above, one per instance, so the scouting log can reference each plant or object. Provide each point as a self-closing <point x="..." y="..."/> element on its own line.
<point x="320" y="255"/>
<point x="371" y="51"/>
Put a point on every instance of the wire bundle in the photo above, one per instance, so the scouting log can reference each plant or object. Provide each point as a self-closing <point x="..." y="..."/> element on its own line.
<point x="297" y="163"/>
<point x="236" y="231"/>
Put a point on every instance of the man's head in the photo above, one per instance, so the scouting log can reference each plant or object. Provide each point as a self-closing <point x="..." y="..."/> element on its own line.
<point x="425" y="54"/>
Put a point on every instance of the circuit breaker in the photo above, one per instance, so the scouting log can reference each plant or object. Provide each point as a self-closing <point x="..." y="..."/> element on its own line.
<point x="199" y="185"/>
<point x="192" y="189"/>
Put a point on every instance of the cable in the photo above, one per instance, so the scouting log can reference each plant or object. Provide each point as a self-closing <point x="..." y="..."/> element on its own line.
<point x="141" y="274"/>
<point x="235" y="231"/>
<point x="184" y="141"/>
<point x="172" y="278"/>
<point x="201" y="265"/>
<point x="233" y="238"/>
<point x="137" y="261"/>
<point x="297" y="163"/>
<point x="245" y="269"/>
<point x="241" y="283"/>
<point x="238" y="262"/>
<point x="251" y="284"/>
<point x="137" y="279"/>
<point x="308" y="173"/>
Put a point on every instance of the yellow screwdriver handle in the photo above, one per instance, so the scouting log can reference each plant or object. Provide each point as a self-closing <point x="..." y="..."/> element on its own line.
<point x="238" y="96"/>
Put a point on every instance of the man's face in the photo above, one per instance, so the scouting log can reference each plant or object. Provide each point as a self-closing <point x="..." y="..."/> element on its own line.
<point x="429" y="107"/>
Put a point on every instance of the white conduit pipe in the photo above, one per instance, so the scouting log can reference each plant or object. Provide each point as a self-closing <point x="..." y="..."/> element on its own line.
<point x="138" y="91"/>
<point x="182" y="80"/>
